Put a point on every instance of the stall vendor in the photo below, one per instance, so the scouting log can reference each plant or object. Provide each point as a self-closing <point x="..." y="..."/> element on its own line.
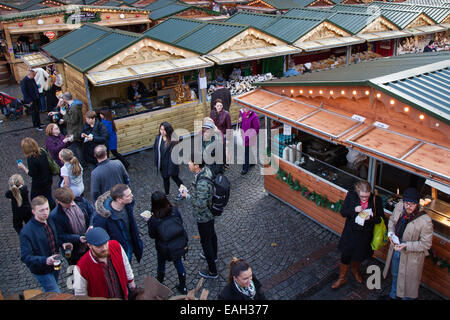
<point x="136" y="91"/>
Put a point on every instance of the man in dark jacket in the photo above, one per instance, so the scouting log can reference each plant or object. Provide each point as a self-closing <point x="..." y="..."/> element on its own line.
<point x="94" y="133"/>
<point x="136" y="91"/>
<point x="221" y="93"/>
<point x="73" y="217"/>
<point x="39" y="246"/>
<point x="115" y="215"/>
<point x="73" y="120"/>
<point x="31" y="97"/>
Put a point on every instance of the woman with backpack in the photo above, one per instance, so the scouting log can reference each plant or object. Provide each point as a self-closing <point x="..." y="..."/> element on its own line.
<point x="171" y="240"/>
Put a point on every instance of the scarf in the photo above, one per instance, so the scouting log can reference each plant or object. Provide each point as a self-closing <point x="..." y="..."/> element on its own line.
<point x="401" y="224"/>
<point x="250" y="291"/>
<point x="364" y="205"/>
<point x="76" y="219"/>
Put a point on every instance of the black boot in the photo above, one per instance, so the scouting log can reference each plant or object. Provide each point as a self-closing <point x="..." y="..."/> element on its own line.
<point x="160" y="277"/>
<point x="181" y="287"/>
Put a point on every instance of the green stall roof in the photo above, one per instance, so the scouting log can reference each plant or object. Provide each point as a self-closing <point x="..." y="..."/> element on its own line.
<point x="173" y="29"/>
<point x="352" y="22"/>
<point x="308" y="13"/>
<point x="257" y="20"/>
<point x="291" y="29"/>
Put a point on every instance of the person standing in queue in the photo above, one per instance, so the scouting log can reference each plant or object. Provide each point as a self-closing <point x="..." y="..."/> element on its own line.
<point x="355" y="241"/>
<point x="31" y="97"/>
<point x="222" y="120"/>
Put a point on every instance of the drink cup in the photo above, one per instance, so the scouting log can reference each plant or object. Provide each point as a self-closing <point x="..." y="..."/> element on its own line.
<point x="68" y="253"/>
<point x="56" y="264"/>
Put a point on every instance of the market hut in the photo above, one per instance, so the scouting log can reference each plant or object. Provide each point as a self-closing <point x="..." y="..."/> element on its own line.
<point x="185" y="11"/>
<point x="386" y="121"/>
<point x="100" y="71"/>
<point x="26" y="31"/>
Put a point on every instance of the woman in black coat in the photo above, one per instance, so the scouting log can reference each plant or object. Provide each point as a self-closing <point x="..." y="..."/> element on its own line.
<point x="166" y="227"/>
<point x="242" y="284"/>
<point x="355" y="242"/>
<point x="162" y="149"/>
<point x="94" y="133"/>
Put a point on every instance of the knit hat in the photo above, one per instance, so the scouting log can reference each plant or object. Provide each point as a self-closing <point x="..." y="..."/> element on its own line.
<point x="97" y="236"/>
<point x="208" y="125"/>
<point x="411" y="195"/>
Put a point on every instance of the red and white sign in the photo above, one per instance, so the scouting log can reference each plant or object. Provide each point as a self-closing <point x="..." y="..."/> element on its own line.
<point x="50" y="34"/>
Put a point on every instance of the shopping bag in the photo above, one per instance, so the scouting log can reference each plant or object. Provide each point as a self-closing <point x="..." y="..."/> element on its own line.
<point x="238" y="140"/>
<point x="379" y="236"/>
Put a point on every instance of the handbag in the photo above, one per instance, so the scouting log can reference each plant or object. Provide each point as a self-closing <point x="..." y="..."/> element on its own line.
<point x="238" y="140"/>
<point x="54" y="168"/>
<point x="379" y="238"/>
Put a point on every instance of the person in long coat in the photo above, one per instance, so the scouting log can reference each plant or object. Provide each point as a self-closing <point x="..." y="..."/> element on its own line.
<point x="162" y="149"/>
<point x="355" y="242"/>
<point x="414" y="229"/>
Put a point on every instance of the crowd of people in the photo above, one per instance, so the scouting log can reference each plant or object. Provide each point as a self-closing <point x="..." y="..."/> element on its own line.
<point x="100" y="236"/>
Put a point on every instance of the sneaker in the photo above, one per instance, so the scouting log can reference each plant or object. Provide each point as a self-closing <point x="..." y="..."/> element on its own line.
<point x="207" y="274"/>
<point x="243" y="172"/>
<point x="39" y="129"/>
<point x="1" y="120"/>
<point x="204" y="258"/>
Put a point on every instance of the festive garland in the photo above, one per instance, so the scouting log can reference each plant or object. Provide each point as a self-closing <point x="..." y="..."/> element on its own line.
<point x="439" y="261"/>
<point x="320" y="200"/>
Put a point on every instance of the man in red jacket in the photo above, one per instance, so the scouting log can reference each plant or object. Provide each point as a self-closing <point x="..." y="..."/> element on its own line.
<point x="104" y="271"/>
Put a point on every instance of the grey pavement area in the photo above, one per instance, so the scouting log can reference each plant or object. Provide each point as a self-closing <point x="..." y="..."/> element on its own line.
<point x="292" y="256"/>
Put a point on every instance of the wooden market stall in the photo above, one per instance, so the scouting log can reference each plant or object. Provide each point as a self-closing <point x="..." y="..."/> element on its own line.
<point x="25" y="32"/>
<point x="100" y="72"/>
<point x="386" y="121"/>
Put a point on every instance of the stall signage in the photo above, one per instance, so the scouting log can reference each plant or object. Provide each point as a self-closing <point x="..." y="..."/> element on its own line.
<point x="50" y="34"/>
<point x="381" y="125"/>
<point x="287" y="130"/>
<point x="203" y="83"/>
<point x="358" y="118"/>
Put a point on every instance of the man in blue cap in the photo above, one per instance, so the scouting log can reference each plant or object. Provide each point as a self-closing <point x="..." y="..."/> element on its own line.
<point x="104" y="271"/>
<point x="410" y="231"/>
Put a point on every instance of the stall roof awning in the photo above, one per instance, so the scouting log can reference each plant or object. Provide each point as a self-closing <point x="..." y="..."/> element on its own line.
<point x="147" y="70"/>
<point x="384" y="35"/>
<point x="252" y="54"/>
<point x="37" y="59"/>
<point x="425" y="30"/>
<point x="329" y="43"/>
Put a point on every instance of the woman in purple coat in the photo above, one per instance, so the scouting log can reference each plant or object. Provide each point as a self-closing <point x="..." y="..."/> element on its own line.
<point x="55" y="142"/>
<point x="249" y="129"/>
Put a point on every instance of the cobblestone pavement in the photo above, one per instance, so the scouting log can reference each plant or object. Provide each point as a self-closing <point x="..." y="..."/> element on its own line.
<point x="293" y="257"/>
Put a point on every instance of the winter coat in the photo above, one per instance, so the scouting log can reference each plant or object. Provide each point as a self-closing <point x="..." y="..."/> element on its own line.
<point x="114" y="225"/>
<point x="112" y="141"/>
<point x="54" y="144"/>
<point x="29" y="89"/>
<point x="201" y="196"/>
<point x="165" y="164"/>
<point x="230" y="292"/>
<point x="64" y="230"/>
<point x="39" y="171"/>
<point x="250" y="120"/>
<point x="162" y="247"/>
<point x="222" y="120"/>
<point x="106" y="175"/>
<point x="100" y="136"/>
<point x="355" y="239"/>
<point x="418" y="236"/>
<point x="74" y="119"/>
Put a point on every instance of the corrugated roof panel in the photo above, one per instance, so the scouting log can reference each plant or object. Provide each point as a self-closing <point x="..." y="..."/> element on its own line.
<point x="167" y="11"/>
<point x="401" y="18"/>
<point x="352" y="22"/>
<point x="210" y="36"/>
<point x="173" y="29"/>
<point x="349" y="8"/>
<point x="93" y="54"/>
<point x="72" y="41"/>
<point x="437" y="14"/>
<point x="308" y="13"/>
<point x="251" y="19"/>
<point x="291" y="29"/>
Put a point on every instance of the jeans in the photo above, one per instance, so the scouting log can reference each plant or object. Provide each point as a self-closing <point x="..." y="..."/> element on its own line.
<point x="162" y="264"/>
<point x="246" y="164"/>
<point x="49" y="281"/>
<point x="208" y="239"/>
<point x="395" y="262"/>
<point x="43" y="102"/>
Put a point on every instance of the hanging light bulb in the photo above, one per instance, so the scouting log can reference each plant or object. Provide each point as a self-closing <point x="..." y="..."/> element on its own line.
<point x="342" y="92"/>
<point x="331" y="92"/>
<point x="421" y="117"/>
<point x="392" y="102"/>
<point x="367" y="92"/>
<point x="406" y="109"/>
<point x="354" y="92"/>
<point x="378" y="95"/>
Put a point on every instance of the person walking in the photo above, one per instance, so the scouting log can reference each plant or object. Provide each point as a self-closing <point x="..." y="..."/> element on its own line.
<point x="94" y="133"/>
<point x="166" y="227"/>
<point x="242" y="283"/>
<point x="108" y="121"/>
<point x="249" y="129"/>
<point x="201" y="199"/>
<point x="104" y="271"/>
<point x="39" y="246"/>
<point x="55" y="142"/>
<point x="20" y="204"/>
<point x="72" y="220"/>
<point x="38" y="169"/>
<point x="71" y="172"/>
<point x="163" y="157"/>
<point x="410" y="231"/>
<point x="30" y="93"/>
<point x="115" y="215"/>
<point x="362" y="210"/>
<point x="106" y="174"/>
<point x="222" y="93"/>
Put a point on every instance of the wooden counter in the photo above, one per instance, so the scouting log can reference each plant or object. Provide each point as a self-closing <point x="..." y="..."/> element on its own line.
<point x="433" y="277"/>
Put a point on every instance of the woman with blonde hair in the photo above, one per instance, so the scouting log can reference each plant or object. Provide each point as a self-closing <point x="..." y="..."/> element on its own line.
<point x="71" y="172"/>
<point x="242" y="283"/>
<point x="20" y="204"/>
<point x="38" y="169"/>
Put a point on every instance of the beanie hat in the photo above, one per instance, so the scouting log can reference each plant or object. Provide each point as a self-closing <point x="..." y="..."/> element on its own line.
<point x="97" y="236"/>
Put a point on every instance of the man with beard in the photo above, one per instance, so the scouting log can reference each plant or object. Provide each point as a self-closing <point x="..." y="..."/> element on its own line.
<point x="104" y="271"/>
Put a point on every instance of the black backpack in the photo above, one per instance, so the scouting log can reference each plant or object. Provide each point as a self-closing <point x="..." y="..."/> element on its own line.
<point x="221" y="193"/>
<point x="173" y="236"/>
